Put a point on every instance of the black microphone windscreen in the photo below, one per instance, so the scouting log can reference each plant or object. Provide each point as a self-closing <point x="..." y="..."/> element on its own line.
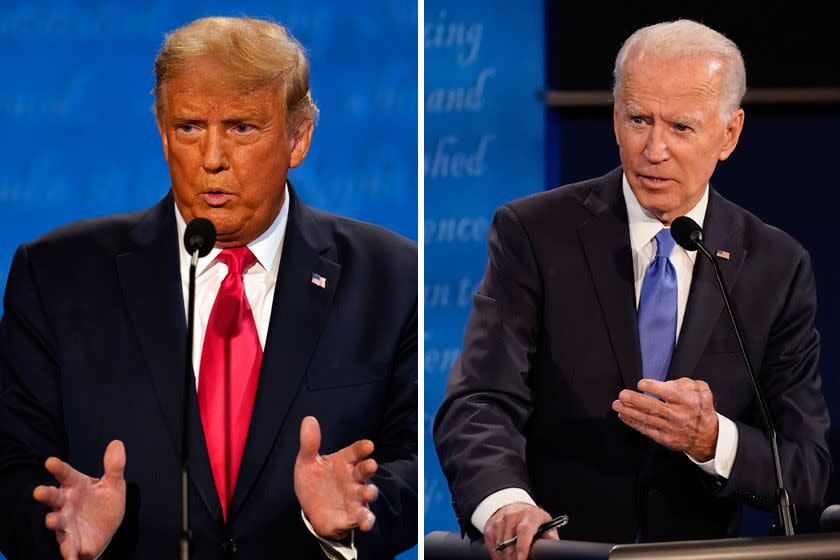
<point x="201" y="235"/>
<point x="830" y="518"/>
<point x="685" y="232"/>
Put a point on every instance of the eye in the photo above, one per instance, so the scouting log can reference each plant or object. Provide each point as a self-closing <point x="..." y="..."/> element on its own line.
<point x="242" y="128"/>
<point x="636" y="119"/>
<point x="679" y="127"/>
<point x="186" y="128"/>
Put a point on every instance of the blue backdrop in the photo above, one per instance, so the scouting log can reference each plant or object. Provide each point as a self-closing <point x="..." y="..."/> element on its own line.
<point x="483" y="147"/>
<point x="79" y="139"/>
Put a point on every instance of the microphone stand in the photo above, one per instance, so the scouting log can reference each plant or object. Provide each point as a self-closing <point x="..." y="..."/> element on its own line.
<point x="189" y="385"/>
<point x="785" y="514"/>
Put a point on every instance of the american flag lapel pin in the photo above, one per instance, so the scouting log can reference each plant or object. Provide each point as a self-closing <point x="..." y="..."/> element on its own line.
<point x="722" y="254"/>
<point x="319" y="280"/>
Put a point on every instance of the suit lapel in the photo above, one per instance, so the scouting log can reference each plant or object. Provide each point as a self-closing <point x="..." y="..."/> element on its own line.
<point x="606" y="243"/>
<point x="151" y="282"/>
<point x="298" y="314"/>
<point x="705" y="303"/>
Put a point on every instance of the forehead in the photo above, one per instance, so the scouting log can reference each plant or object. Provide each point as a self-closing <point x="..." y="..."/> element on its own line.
<point x="210" y="87"/>
<point x="681" y="84"/>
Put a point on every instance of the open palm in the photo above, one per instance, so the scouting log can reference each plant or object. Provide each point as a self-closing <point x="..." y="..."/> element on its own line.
<point x="86" y="511"/>
<point x="333" y="490"/>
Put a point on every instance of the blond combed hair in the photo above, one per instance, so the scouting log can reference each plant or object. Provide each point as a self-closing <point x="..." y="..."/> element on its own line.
<point x="685" y="38"/>
<point x="258" y="52"/>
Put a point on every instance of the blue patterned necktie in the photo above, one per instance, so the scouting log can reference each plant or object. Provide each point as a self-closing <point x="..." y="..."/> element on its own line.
<point x="658" y="310"/>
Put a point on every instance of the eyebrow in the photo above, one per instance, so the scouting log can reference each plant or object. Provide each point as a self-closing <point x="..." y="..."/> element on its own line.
<point x="230" y="119"/>
<point x="686" y="119"/>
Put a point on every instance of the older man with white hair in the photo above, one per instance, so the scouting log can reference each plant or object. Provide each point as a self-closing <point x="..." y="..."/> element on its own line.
<point x="600" y="376"/>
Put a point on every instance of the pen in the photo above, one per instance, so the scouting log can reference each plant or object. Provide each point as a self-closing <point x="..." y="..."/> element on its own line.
<point x="558" y="521"/>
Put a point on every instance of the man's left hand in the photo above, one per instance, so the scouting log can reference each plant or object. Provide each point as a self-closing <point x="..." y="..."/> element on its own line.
<point x="333" y="490"/>
<point x="684" y="420"/>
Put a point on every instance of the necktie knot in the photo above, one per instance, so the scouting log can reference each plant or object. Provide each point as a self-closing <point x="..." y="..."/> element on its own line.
<point x="238" y="259"/>
<point x="664" y="243"/>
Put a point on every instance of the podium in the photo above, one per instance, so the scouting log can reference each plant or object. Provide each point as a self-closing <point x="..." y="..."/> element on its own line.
<point x="441" y="545"/>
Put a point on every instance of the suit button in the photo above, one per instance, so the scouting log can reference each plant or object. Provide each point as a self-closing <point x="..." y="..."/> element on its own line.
<point x="229" y="546"/>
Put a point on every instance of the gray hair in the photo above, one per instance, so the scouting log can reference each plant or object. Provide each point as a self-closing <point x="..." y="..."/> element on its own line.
<point x="682" y="39"/>
<point x="259" y="52"/>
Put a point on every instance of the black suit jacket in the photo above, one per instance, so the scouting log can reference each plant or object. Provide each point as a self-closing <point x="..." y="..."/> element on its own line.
<point x="552" y="340"/>
<point x="92" y="348"/>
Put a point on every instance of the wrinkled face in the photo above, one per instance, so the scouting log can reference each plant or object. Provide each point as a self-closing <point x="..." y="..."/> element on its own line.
<point x="669" y="131"/>
<point x="228" y="150"/>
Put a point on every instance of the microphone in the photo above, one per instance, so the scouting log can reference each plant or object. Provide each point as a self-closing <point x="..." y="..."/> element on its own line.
<point x="200" y="235"/>
<point x="689" y="236"/>
<point x="199" y="238"/>
<point x="830" y="518"/>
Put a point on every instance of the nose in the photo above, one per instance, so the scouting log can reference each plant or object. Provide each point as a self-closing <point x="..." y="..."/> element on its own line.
<point x="214" y="158"/>
<point x="656" y="147"/>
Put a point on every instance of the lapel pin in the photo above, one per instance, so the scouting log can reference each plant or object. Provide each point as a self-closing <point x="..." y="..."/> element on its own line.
<point x="723" y="254"/>
<point x="320" y="281"/>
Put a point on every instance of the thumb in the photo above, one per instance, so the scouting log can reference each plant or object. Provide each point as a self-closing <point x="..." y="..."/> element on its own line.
<point x="551" y="535"/>
<point x="310" y="438"/>
<point x="114" y="461"/>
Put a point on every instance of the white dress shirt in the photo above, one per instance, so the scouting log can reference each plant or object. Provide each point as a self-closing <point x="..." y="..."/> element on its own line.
<point x="643" y="227"/>
<point x="259" y="281"/>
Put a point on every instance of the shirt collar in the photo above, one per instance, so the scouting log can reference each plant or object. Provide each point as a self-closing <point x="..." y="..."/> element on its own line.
<point x="266" y="247"/>
<point x="644" y="225"/>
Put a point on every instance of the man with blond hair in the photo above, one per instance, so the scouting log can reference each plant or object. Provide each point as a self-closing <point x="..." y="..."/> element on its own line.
<point x="303" y="423"/>
<point x="600" y="376"/>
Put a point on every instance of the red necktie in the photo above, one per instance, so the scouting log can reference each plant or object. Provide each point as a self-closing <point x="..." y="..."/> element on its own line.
<point x="228" y="374"/>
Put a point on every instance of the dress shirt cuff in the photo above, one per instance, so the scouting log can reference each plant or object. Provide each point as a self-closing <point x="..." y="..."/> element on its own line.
<point x="491" y="504"/>
<point x="333" y="550"/>
<point x="725" y="450"/>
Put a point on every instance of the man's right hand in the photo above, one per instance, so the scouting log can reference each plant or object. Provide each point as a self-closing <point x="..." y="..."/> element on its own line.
<point x="86" y="512"/>
<point x="518" y="519"/>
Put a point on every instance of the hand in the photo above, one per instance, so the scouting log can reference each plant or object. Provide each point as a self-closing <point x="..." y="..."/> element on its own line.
<point x="333" y="490"/>
<point x="684" y="420"/>
<point x="518" y="519"/>
<point x="86" y="512"/>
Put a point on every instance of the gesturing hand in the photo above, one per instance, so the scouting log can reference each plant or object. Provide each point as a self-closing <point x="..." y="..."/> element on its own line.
<point x="517" y="519"/>
<point x="333" y="490"/>
<point x="684" y="420"/>
<point x="86" y="512"/>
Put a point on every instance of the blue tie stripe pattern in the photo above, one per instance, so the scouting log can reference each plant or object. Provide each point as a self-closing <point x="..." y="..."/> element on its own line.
<point x="658" y="310"/>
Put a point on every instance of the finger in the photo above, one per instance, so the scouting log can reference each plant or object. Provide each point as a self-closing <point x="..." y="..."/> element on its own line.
<point x="357" y="451"/>
<point x="653" y="433"/>
<point x="649" y="404"/>
<point x="114" y="461"/>
<point x="551" y="535"/>
<point x="525" y="532"/>
<point x="365" y="520"/>
<point x="310" y="438"/>
<point x="675" y="390"/>
<point x="55" y="521"/>
<point x="68" y="550"/>
<point x="364" y="470"/>
<point x="63" y="472"/>
<point x="49" y="496"/>
<point x="369" y="493"/>
<point x="641" y="417"/>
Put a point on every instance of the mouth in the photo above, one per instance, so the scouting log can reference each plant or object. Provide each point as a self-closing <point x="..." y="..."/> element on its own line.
<point x="653" y="181"/>
<point x="216" y="197"/>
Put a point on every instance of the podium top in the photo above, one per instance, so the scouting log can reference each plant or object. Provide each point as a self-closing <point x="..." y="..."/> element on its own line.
<point x="440" y="545"/>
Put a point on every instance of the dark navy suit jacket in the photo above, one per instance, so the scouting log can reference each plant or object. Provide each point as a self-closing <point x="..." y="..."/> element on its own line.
<point x="92" y="348"/>
<point x="553" y="338"/>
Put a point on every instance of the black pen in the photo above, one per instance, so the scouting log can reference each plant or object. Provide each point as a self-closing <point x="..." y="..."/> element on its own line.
<point x="558" y="521"/>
